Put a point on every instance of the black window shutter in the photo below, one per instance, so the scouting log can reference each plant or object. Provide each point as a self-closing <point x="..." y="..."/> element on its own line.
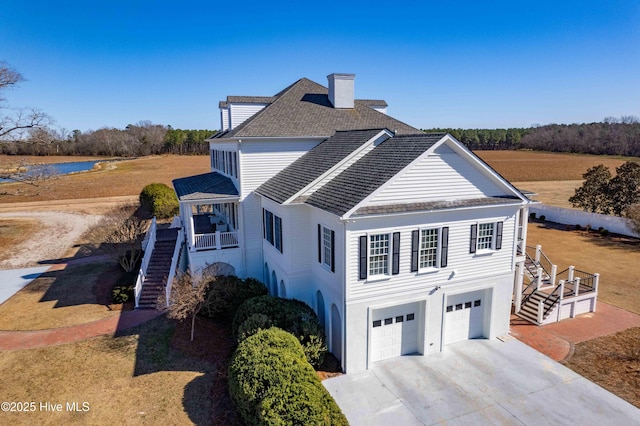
<point x="279" y="236"/>
<point x="444" y="248"/>
<point x="333" y="251"/>
<point x="499" y="235"/>
<point x="319" y="243"/>
<point x="415" y="241"/>
<point x="363" y="258"/>
<point x="474" y="238"/>
<point x="395" y="260"/>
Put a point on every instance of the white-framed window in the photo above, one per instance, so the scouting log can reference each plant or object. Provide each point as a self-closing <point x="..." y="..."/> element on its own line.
<point x="429" y="244"/>
<point x="326" y="247"/>
<point x="272" y="229"/>
<point x="429" y="249"/>
<point x="379" y="254"/>
<point x="486" y="237"/>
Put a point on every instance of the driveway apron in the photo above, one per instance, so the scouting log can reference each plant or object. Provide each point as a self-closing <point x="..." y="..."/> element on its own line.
<point x="477" y="382"/>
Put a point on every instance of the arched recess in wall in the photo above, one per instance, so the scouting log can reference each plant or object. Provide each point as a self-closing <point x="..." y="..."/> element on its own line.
<point x="220" y="268"/>
<point x="274" y="284"/>
<point x="336" y="333"/>
<point x="283" y="289"/>
<point x="320" y="308"/>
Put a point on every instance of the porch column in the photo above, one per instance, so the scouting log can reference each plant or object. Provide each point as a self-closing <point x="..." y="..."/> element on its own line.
<point x="519" y="282"/>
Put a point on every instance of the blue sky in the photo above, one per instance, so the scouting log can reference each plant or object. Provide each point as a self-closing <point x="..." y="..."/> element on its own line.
<point x="92" y="64"/>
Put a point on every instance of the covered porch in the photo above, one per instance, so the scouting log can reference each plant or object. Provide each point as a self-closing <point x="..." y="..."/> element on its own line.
<point x="209" y="211"/>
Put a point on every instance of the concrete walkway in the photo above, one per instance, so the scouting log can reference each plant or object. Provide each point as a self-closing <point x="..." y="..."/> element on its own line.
<point x="14" y="280"/>
<point x="477" y="382"/>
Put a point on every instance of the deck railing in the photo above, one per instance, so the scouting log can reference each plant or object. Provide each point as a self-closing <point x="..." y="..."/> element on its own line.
<point x="216" y="240"/>
<point x="142" y="273"/>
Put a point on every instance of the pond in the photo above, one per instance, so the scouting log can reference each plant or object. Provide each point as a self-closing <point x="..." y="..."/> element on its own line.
<point x="62" y="168"/>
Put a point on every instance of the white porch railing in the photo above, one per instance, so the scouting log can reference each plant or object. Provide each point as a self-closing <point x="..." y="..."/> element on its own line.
<point x="217" y="240"/>
<point x="174" y="265"/>
<point x="142" y="273"/>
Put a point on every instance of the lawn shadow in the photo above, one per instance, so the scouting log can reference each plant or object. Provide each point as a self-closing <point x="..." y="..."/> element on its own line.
<point x="164" y="345"/>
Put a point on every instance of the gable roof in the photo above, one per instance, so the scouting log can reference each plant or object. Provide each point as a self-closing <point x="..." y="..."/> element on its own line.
<point x="367" y="174"/>
<point x="303" y="109"/>
<point x="314" y="163"/>
<point x="204" y="186"/>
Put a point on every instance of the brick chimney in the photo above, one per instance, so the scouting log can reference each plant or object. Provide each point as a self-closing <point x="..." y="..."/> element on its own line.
<point x="341" y="90"/>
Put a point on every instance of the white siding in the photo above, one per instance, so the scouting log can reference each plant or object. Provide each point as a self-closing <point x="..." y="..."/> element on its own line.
<point x="260" y="160"/>
<point x="224" y="119"/>
<point x="442" y="175"/>
<point x="239" y="113"/>
<point x="461" y="264"/>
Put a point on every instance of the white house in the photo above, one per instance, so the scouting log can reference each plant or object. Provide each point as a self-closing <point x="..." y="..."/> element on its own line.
<point x="403" y="242"/>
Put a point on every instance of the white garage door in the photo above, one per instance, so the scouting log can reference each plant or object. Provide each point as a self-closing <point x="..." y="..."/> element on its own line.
<point x="394" y="331"/>
<point x="464" y="317"/>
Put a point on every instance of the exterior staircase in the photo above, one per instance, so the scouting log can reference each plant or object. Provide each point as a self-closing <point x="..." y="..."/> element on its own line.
<point x="158" y="269"/>
<point x="529" y="309"/>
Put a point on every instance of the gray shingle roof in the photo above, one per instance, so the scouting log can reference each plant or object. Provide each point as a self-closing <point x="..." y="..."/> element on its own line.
<point x="434" y="205"/>
<point x="314" y="163"/>
<point x="367" y="174"/>
<point x="205" y="186"/>
<point x="303" y="109"/>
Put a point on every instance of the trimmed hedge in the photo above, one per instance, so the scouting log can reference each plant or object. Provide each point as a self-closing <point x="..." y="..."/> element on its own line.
<point x="225" y="294"/>
<point x="160" y="200"/>
<point x="271" y="383"/>
<point x="291" y="315"/>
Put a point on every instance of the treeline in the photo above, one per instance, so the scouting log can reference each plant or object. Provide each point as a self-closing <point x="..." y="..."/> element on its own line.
<point x="486" y="139"/>
<point x="143" y="138"/>
<point x="612" y="137"/>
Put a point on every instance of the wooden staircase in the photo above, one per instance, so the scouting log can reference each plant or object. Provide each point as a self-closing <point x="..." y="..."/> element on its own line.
<point x="529" y="309"/>
<point x="158" y="269"/>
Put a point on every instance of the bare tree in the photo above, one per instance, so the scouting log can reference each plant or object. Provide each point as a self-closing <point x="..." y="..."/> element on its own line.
<point x="632" y="214"/>
<point x="16" y="121"/>
<point x="188" y="295"/>
<point x="119" y="235"/>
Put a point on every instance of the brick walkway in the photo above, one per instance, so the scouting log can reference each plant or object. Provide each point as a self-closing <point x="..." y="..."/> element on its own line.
<point x="556" y="340"/>
<point x="15" y="340"/>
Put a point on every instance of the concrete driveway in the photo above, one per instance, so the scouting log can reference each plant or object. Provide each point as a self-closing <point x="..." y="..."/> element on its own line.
<point x="13" y="280"/>
<point x="477" y="382"/>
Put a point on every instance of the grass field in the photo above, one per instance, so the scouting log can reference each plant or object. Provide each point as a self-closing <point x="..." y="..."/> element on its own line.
<point x="13" y="231"/>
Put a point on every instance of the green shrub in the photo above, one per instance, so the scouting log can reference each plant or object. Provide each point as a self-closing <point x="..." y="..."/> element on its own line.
<point x="532" y="216"/>
<point x="542" y="218"/>
<point x="271" y="383"/>
<point x="578" y="227"/>
<point x="122" y="293"/>
<point x="291" y="315"/>
<point x="225" y="294"/>
<point x="159" y="200"/>
<point x="604" y="232"/>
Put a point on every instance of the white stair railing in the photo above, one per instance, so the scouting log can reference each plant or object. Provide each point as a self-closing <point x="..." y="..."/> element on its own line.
<point x="142" y="273"/>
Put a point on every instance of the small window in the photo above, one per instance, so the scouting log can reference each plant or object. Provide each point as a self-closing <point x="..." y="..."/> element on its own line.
<point x="400" y="318"/>
<point x="467" y="305"/>
<point x="377" y="323"/>
<point x="458" y="306"/>
<point x="476" y="303"/>
<point x="450" y="308"/>
<point x="409" y="317"/>
<point x="388" y="321"/>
